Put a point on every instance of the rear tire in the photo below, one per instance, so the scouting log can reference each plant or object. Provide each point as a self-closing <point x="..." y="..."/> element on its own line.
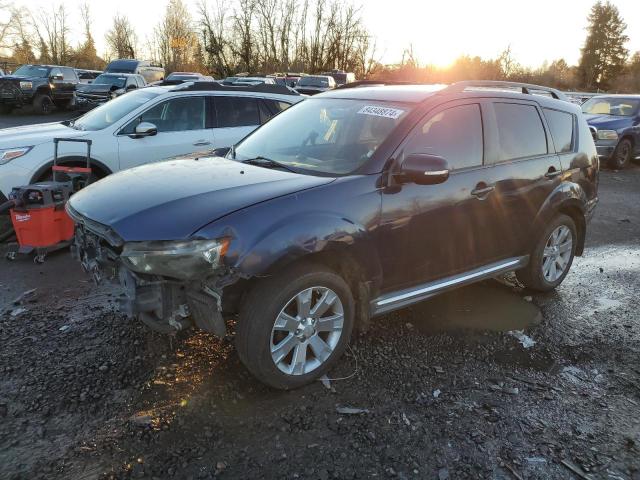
<point x="552" y="255"/>
<point x="621" y="156"/>
<point x="42" y="104"/>
<point x="284" y="335"/>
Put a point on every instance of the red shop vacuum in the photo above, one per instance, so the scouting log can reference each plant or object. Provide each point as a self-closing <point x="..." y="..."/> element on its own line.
<point x="37" y="211"/>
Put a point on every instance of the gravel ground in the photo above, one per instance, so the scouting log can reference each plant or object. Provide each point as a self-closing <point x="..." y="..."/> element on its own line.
<point x="440" y="390"/>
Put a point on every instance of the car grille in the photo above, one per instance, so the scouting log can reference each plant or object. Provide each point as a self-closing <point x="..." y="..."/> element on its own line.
<point x="93" y="96"/>
<point x="9" y="88"/>
<point x="97" y="229"/>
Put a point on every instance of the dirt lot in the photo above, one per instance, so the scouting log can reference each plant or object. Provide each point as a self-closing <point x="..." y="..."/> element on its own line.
<point x="440" y="390"/>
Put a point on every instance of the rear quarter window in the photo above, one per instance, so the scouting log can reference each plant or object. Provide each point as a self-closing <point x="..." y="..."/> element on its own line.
<point x="561" y="126"/>
<point x="520" y="131"/>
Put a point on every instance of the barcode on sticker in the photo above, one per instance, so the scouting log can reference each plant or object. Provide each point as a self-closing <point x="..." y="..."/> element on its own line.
<point x="385" y="112"/>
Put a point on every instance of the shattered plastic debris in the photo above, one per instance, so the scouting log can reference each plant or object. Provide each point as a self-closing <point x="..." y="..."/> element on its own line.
<point x="326" y="382"/>
<point x="64" y="328"/>
<point x="351" y="410"/>
<point x="525" y="340"/>
<point x="436" y="393"/>
<point x="17" y="311"/>
<point x="573" y="374"/>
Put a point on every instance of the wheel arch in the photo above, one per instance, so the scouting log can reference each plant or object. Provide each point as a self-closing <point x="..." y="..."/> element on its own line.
<point x="568" y="199"/>
<point x="101" y="169"/>
<point x="343" y="247"/>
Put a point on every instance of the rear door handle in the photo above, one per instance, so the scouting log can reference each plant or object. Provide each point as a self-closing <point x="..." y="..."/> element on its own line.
<point x="201" y="143"/>
<point x="482" y="191"/>
<point x="552" y="173"/>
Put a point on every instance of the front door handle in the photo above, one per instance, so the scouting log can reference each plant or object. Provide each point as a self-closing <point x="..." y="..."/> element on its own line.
<point x="481" y="192"/>
<point x="201" y="143"/>
<point x="552" y="172"/>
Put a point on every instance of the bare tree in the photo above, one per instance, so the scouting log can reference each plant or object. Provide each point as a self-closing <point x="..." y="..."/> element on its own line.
<point x="176" y="38"/>
<point x="218" y="56"/>
<point x="52" y="28"/>
<point x="121" y="38"/>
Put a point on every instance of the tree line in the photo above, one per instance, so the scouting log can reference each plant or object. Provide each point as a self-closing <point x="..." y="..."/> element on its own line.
<point x="223" y="38"/>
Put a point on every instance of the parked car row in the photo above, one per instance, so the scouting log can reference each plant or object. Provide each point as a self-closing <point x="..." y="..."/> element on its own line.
<point x="145" y="125"/>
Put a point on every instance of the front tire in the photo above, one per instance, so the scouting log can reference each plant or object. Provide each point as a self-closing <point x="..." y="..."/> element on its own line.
<point x="621" y="156"/>
<point x="552" y="255"/>
<point x="293" y="327"/>
<point x="42" y="104"/>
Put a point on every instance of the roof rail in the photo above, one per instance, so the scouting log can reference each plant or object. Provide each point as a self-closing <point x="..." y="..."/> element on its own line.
<point x="375" y="83"/>
<point x="526" y="88"/>
<point x="215" y="86"/>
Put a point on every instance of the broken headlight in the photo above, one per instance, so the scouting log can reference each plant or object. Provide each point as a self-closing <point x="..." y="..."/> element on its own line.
<point x="185" y="259"/>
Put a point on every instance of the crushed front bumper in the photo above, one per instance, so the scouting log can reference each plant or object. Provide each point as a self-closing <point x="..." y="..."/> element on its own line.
<point x="165" y="305"/>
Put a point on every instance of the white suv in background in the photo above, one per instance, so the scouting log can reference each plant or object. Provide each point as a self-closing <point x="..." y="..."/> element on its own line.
<point x="145" y="125"/>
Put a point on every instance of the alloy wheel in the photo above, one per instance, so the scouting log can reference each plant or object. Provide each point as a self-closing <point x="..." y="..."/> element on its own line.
<point x="307" y="331"/>
<point x="557" y="253"/>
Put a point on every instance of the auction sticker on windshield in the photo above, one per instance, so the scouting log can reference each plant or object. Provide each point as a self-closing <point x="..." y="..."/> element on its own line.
<point x="385" y="112"/>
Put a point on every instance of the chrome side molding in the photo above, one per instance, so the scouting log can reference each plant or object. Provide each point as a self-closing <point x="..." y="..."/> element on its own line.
<point x="402" y="298"/>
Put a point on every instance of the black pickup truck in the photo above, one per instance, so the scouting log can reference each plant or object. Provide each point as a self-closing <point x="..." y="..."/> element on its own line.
<point x="41" y="86"/>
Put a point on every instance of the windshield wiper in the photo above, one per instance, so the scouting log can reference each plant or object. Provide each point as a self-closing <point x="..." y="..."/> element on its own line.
<point x="267" y="163"/>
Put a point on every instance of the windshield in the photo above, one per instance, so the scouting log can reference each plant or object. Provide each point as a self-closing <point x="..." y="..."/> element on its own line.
<point x="114" y="80"/>
<point x="327" y="136"/>
<point x="112" y="111"/>
<point x="624" y="107"/>
<point x="314" y="82"/>
<point x="31" y="71"/>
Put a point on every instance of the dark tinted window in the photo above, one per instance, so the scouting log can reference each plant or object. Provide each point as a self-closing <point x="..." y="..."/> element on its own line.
<point x="520" y="131"/>
<point x="561" y="126"/>
<point x="176" y="115"/>
<point x="269" y="108"/>
<point x="237" y="111"/>
<point x="454" y="134"/>
<point x="54" y="72"/>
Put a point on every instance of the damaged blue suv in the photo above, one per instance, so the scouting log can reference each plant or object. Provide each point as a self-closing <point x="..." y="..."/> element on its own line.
<point x="350" y="204"/>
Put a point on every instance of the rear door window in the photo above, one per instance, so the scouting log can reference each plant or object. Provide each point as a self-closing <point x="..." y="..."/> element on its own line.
<point x="454" y="134"/>
<point x="237" y="111"/>
<point x="520" y="131"/>
<point x="561" y="126"/>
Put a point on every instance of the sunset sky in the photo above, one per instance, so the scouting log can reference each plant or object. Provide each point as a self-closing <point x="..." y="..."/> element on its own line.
<point x="439" y="31"/>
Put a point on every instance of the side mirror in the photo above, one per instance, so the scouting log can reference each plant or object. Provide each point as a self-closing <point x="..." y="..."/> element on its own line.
<point x="220" y="152"/>
<point x="145" y="129"/>
<point x="56" y="78"/>
<point x="424" y="169"/>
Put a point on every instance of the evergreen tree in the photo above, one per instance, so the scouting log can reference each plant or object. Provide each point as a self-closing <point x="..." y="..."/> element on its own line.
<point x="604" y="53"/>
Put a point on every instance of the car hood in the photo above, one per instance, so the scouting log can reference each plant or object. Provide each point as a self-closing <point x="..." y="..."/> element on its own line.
<point x="609" y="122"/>
<point x="21" y="78"/>
<point x="31" y="135"/>
<point x="173" y="199"/>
